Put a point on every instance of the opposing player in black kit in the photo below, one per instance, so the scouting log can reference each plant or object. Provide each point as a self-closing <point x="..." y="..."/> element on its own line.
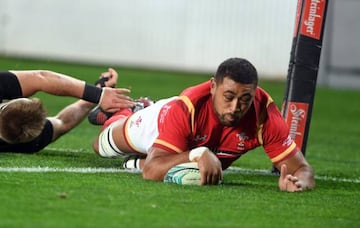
<point x="24" y="125"/>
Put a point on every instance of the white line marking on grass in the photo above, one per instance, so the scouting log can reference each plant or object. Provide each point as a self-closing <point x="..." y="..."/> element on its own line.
<point x="229" y="170"/>
<point x="65" y="150"/>
<point x="118" y="170"/>
<point x="268" y="173"/>
<point x="64" y="170"/>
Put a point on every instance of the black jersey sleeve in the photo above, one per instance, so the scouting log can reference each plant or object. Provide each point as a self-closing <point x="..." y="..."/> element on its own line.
<point x="9" y="86"/>
<point x="33" y="146"/>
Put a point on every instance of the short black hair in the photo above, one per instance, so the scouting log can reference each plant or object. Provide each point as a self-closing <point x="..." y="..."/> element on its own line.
<point x="238" y="69"/>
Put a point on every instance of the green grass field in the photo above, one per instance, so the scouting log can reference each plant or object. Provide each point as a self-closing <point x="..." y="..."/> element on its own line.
<point x="67" y="185"/>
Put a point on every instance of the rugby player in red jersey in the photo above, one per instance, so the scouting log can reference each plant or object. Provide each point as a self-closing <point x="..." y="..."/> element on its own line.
<point x="24" y="126"/>
<point x="213" y="124"/>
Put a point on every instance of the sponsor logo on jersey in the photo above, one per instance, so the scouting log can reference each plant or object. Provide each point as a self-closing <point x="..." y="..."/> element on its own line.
<point x="242" y="138"/>
<point x="199" y="138"/>
<point x="136" y="122"/>
<point x="163" y="112"/>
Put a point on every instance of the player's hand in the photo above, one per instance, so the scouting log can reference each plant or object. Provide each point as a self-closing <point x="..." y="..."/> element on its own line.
<point x="210" y="169"/>
<point x="290" y="183"/>
<point x="114" y="99"/>
<point x="112" y="77"/>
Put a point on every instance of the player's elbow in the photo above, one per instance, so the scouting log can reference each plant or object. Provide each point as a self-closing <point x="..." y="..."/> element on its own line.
<point x="151" y="174"/>
<point x="43" y="75"/>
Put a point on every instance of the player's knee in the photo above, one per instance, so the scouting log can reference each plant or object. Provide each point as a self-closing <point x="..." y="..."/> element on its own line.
<point x="105" y="145"/>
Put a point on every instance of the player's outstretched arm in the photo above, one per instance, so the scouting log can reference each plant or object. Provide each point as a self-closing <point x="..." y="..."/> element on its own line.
<point x="109" y="99"/>
<point x="296" y="174"/>
<point x="73" y="114"/>
<point x="158" y="162"/>
<point x="69" y="117"/>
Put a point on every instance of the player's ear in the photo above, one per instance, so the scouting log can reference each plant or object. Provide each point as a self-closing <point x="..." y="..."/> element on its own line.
<point x="213" y="83"/>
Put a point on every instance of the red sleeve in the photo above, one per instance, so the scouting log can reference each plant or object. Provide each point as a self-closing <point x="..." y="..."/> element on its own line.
<point x="174" y="127"/>
<point x="276" y="139"/>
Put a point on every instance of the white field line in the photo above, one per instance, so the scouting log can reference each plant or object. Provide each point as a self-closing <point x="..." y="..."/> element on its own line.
<point x="64" y="170"/>
<point x="118" y="170"/>
<point x="66" y="150"/>
<point x="268" y="173"/>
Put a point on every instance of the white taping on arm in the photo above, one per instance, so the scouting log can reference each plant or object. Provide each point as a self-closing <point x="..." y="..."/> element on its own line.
<point x="196" y="153"/>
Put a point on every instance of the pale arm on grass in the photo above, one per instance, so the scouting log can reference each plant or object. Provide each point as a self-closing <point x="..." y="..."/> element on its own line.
<point x="110" y="99"/>
<point x="69" y="117"/>
<point x="73" y="114"/>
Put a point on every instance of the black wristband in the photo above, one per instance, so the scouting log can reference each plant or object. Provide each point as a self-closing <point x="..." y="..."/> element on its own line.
<point x="92" y="93"/>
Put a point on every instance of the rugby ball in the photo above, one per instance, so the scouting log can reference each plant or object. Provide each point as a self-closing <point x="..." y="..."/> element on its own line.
<point x="185" y="174"/>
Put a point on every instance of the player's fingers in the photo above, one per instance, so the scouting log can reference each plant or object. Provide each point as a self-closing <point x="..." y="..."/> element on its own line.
<point x="203" y="178"/>
<point x="115" y="104"/>
<point x="298" y="188"/>
<point x="293" y="186"/>
<point x="283" y="171"/>
<point x="121" y="91"/>
<point x="293" y="178"/>
<point x="120" y="98"/>
<point x="116" y="93"/>
<point x="299" y="184"/>
<point x="105" y="75"/>
<point x="206" y="179"/>
<point x="213" y="179"/>
<point x="117" y="108"/>
<point x="113" y="73"/>
<point x="217" y="178"/>
<point x="125" y="103"/>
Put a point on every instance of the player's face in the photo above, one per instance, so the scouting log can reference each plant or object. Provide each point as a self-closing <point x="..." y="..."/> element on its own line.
<point x="231" y="100"/>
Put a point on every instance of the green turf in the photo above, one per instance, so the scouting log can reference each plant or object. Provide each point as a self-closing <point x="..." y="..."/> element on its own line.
<point x="246" y="199"/>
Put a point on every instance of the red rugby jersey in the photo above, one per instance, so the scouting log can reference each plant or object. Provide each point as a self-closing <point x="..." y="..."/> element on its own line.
<point x="190" y="122"/>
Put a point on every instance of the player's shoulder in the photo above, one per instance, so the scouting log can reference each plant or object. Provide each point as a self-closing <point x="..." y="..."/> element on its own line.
<point x="262" y="97"/>
<point x="264" y="105"/>
<point x="261" y="93"/>
<point x="194" y="95"/>
<point x="197" y="90"/>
